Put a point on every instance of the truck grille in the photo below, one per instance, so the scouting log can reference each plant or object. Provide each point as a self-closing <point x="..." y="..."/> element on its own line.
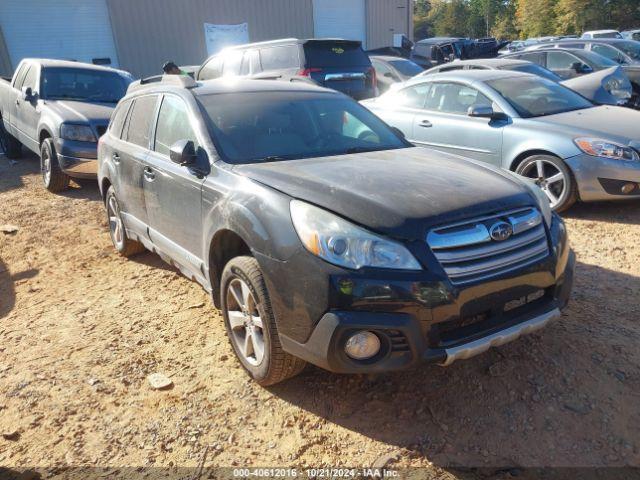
<point x="485" y="247"/>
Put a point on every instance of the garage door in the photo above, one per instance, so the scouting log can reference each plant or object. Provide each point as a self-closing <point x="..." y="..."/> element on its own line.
<point x="64" y="29"/>
<point x="340" y="19"/>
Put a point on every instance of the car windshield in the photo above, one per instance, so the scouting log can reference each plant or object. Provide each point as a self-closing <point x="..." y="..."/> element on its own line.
<point x="535" y="70"/>
<point x="631" y="48"/>
<point x="272" y="126"/>
<point x="537" y="97"/>
<point x="84" y="85"/>
<point x="406" y="67"/>
<point x="597" y="60"/>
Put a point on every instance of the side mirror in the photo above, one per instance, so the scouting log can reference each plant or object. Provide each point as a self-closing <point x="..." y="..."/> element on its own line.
<point x="481" y="111"/>
<point x="183" y="152"/>
<point x="398" y="132"/>
<point x="27" y="94"/>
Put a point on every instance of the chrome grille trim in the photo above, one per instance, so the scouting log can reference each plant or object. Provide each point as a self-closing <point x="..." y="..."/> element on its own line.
<point x="467" y="254"/>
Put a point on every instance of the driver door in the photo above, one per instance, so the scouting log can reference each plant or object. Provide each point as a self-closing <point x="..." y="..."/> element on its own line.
<point x="444" y="124"/>
<point x="173" y="192"/>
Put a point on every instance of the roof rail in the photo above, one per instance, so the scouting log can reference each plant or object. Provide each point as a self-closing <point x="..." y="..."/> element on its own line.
<point x="182" y="81"/>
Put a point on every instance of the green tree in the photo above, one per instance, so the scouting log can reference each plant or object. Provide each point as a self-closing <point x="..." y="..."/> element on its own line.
<point x="449" y="17"/>
<point x="535" y="18"/>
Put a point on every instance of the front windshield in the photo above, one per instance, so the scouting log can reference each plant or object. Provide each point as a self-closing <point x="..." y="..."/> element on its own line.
<point x="84" y="85"/>
<point x="535" y="70"/>
<point x="537" y="97"/>
<point x="271" y="126"/>
<point x="406" y="67"/>
<point x="631" y="48"/>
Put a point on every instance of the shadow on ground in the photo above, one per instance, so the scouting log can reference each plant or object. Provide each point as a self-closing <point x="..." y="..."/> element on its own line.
<point x="547" y="399"/>
<point x="7" y="286"/>
<point x="621" y="211"/>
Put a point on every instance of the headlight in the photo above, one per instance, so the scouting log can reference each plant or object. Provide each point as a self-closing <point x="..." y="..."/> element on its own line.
<point x="543" y="200"/>
<point x="339" y="242"/>
<point x="606" y="149"/>
<point x="618" y="88"/>
<point x="80" y="133"/>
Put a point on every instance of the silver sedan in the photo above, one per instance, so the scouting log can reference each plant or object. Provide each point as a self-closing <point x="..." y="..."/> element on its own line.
<point x="537" y="128"/>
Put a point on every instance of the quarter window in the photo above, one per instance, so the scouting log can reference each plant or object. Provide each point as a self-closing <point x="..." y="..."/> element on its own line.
<point x="119" y="116"/>
<point x="140" y="120"/>
<point x="173" y="125"/>
<point x="277" y="58"/>
<point x="211" y="70"/>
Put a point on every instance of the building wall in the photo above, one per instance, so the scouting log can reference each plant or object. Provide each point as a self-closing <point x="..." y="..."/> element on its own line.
<point x="386" y="17"/>
<point x="150" y="32"/>
<point x="6" y="69"/>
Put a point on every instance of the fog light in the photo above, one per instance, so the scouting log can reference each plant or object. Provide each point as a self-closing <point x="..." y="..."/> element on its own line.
<point x="628" y="188"/>
<point x="362" y="345"/>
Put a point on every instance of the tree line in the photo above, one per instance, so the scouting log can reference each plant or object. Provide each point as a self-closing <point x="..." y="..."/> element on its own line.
<point x="510" y="19"/>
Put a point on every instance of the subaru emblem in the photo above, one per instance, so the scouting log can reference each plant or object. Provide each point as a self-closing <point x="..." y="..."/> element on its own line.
<point x="501" y="231"/>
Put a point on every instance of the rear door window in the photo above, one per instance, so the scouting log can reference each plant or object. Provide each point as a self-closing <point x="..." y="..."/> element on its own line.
<point x="281" y="57"/>
<point x="410" y="97"/>
<point x="173" y="125"/>
<point x="561" y="60"/>
<point x="19" y="77"/>
<point x="335" y="54"/>
<point x="535" y="57"/>
<point x="140" y="120"/>
<point x="455" y="98"/>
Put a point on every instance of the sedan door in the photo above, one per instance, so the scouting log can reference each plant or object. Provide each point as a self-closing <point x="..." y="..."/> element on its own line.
<point x="173" y="192"/>
<point x="444" y="123"/>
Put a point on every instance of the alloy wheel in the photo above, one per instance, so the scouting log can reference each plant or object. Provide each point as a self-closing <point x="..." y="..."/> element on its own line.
<point x="46" y="166"/>
<point x="115" y="222"/>
<point x="245" y="323"/>
<point x="549" y="178"/>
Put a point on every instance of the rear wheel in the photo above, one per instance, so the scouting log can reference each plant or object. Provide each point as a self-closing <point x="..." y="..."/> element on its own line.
<point x="123" y="244"/>
<point x="251" y="325"/>
<point x="54" y="179"/>
<point x="553" y="177"/>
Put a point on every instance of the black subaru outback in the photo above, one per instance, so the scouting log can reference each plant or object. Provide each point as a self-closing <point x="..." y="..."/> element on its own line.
<point x="321" y="233"/>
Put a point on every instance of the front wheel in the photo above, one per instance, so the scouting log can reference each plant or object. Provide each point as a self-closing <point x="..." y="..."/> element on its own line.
<point x="251" y="325"/>
<point x="53" y="178"/>
<point x="553" y="177"/>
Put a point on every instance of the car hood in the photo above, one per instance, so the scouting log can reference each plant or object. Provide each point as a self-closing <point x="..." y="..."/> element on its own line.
<point x="401" y="193"/>
<point x="615" y="123"/>
<point x="81" y="112"/>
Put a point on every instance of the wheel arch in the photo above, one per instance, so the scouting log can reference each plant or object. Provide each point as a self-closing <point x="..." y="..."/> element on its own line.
<point x="225" y="245"/>
<point x="43" y="133"/>
<point x="529" y="153"/>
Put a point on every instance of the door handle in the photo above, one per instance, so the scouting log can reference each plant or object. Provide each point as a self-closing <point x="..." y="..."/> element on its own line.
<point x="426" y="124"/>
<point x="116" y="158"/>
<point x="149" y="174"/>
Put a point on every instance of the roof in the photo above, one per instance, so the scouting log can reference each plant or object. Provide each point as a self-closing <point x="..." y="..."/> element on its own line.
<point x="285" y="41"/>
<point x="224" y="85"/>
<point x="48" y="62"/>
<point x="440" y="39"/>
<point x="469" y="76"/>
<point x="489" y="62"/>
<point x="389" y="58"/>
<point x="609" y="30"/>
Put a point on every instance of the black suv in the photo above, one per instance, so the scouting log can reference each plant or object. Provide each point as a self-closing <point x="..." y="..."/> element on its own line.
<point x="323" y="235"/>
<point x="333" y="63"/>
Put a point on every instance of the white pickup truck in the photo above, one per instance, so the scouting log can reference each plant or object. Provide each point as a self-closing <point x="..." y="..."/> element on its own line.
<point x="58" y="109"/>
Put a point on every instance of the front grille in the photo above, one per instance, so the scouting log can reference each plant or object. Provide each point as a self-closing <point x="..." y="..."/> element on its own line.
<point x="468" y="252"/>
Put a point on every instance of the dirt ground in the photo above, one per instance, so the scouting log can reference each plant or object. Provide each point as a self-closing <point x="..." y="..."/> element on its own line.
<point x="81" y="328"/>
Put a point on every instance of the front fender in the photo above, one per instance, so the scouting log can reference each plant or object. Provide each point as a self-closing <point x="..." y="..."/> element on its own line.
<point x="518" y="141"/>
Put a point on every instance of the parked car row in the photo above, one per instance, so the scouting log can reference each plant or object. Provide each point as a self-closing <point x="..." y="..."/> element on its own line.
<point x="360" y="237"/>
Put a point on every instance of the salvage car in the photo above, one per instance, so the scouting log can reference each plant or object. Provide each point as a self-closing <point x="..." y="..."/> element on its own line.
<point x="390" y="70"/>
<point x="573" y="149"/>
<point x="605" y="87"/>
<point x="322" y="234"/>
<point x="333" y="63"/>
<point x="58" y="110"/>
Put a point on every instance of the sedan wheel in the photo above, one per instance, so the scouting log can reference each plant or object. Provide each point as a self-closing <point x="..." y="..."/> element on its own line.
<point x="244" y="319"/>
<point x="553" y="177"/>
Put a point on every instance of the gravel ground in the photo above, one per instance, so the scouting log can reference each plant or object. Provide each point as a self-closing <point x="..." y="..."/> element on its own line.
<point x="82" y="328"/>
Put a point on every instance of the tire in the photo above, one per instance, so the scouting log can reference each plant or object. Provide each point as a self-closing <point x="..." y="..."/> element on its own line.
<point x="554" y="177"/>
<point x="249" y="309"/>
<point x="53" y="178"/>
<point x="14" y="147"/>
<point x="123" y="244"/>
